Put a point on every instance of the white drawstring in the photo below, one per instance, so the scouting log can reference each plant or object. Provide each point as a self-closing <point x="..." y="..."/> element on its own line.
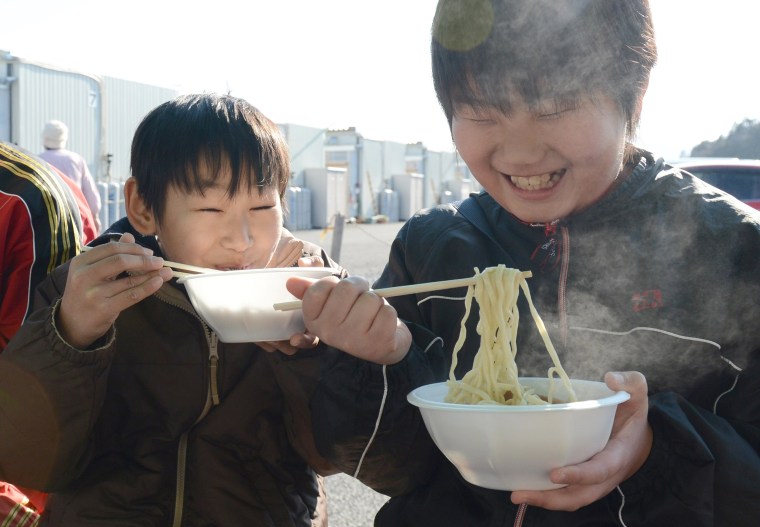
<point x="622" y="504"/>
<point x="377" y="422"/>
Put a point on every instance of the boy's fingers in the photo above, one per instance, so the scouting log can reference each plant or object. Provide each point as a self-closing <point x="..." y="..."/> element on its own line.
<point x="127" y="237"/>
<point x="283" y="346"/>
<point x="632" y="382"/>
<point x="335" y="298"/>
<point x="287" y="253"/>
<point x="304" y="341"/>
<point x="135" y="288"/>
<point x="125" y="291"/>
<point x="311" y="261"/>
<point x="298" y="285"/>
<point x="112" y="266"/>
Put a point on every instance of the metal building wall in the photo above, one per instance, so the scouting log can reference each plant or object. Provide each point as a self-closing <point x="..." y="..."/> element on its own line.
<point x="381" y="160"/>
<point x="39" y="93"/>
<point x="445" y="171"/>
<point x="394" y="160"/>
<point x="6" y="80"/>
<point x="102" y="113"/>
<point x="126" y="103"/>
<point x="371" y="177"/>
<point x="307" y="149"/>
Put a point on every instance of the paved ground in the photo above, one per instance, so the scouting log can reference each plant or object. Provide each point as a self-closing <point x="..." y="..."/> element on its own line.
<point x="364" y="252"/>
<point x="365" y="246"/>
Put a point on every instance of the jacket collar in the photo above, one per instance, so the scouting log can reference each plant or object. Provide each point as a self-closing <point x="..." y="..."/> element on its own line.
<point x="122" y="226"/>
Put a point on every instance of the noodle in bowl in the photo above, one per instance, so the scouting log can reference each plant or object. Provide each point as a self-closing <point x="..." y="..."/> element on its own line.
<point x="508" y="447"/>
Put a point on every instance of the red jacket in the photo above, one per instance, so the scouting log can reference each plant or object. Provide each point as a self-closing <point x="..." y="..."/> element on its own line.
<point x="44" y="220"/>
<point x="40" y="228"/>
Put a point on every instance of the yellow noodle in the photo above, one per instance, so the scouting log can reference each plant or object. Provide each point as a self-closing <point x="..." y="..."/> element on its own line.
<point x="494" y="374"/>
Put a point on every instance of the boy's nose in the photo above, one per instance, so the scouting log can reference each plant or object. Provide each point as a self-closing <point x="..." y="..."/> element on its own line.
<point x="238" y="235"/>
<point x="518" y="149"/>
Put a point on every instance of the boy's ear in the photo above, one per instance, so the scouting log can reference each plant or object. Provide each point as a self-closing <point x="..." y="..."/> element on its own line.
<point x="139" y="215"/>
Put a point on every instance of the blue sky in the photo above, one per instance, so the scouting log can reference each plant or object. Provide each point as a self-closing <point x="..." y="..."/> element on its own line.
<point x="362" y="63"/>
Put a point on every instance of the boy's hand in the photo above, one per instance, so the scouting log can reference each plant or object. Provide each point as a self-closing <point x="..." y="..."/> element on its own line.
<point x="287" y="252"/>
<point x="347" y="316"/>
<point x="299" y="341"/>
<point x="625" y="453"/>
<point x="95" y="293"/>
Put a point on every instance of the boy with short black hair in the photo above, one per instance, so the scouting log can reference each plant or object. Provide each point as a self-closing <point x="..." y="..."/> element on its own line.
<point x="644" y="275"/>
<point x="140" y="415"/>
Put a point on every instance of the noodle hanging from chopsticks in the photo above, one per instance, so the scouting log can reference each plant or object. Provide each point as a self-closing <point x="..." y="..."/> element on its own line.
<point x="494" y="374"/>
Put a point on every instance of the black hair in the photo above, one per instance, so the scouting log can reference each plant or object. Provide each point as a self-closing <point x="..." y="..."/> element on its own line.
<point x="192" y="140"/>
<point x="485" y="53"/>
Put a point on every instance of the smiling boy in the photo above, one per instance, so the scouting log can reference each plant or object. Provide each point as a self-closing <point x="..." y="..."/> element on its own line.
<point x="118" y="398"/>
<point x="645" y="276"/>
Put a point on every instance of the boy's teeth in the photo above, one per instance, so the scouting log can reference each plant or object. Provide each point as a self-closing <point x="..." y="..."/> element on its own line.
<point x="536" y="182"/>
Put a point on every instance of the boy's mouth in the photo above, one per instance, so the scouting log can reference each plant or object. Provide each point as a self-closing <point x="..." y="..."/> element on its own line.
<point x="540" y="182"/>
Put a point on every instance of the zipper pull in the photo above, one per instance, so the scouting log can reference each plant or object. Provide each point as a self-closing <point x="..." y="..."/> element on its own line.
<point x="214" y="368"/>
<point x="547" y="253"/>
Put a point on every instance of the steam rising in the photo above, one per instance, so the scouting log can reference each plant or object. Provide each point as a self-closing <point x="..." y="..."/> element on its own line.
<point x="506" y="52"/>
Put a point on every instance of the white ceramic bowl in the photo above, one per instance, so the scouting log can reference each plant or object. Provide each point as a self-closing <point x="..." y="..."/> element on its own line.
<point x="238" y="304"/>
<point x="515" y="447"/>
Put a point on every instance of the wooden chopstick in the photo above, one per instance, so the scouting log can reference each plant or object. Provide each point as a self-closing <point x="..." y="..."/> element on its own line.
<point x="180" y="274"/>
<point x="189" y="269"/>
<point x="386" y="292"/>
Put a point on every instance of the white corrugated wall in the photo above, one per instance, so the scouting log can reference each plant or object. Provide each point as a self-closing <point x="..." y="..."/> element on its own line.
<point x="41" y="93"/>
<point x="102" y="113"/>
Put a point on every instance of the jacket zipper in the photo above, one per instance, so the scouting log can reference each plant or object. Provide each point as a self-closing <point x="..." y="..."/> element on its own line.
<point x="212" y="399"/>
<point x="213" y="364"/>
<point x="563" y="272"/>
<point x="550" y="231"/>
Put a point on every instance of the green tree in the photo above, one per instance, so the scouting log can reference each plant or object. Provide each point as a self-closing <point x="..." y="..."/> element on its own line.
<point x="742" y="141"/>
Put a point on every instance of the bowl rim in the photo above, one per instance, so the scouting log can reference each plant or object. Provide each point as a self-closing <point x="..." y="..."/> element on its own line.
<point x="614" y="398"/>
<point x="266" y="270"/>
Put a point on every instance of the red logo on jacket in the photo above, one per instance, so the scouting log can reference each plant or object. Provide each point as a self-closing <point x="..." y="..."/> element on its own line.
<point x="651" y="299"/>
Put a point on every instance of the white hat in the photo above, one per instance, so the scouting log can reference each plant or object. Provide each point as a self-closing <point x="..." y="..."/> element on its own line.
<point x="55" y="134"/>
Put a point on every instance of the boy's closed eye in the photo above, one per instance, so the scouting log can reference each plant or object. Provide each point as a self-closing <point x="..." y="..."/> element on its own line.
<point x="475" y="115"/>
<point x="261" y="207"/>
<point x="555" y="110"/>
<point x="548" y="116"/>
<point x="481" y="120"/>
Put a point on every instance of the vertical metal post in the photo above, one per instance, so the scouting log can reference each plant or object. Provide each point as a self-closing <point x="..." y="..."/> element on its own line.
<point x="337" y="238"/>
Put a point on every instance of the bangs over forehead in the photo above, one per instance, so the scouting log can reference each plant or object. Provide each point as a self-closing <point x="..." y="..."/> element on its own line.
<point x="503" y="52"/>
<point x="195" y="141"/>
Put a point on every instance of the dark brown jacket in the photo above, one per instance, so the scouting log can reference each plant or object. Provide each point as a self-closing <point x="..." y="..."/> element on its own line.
<point x="128" y="434"/>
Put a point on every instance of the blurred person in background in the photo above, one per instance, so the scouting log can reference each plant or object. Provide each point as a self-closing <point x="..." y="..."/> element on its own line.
<point x="44" y="221"/>
<point x="55" y="135"/>
<point x="90" y="225"/>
